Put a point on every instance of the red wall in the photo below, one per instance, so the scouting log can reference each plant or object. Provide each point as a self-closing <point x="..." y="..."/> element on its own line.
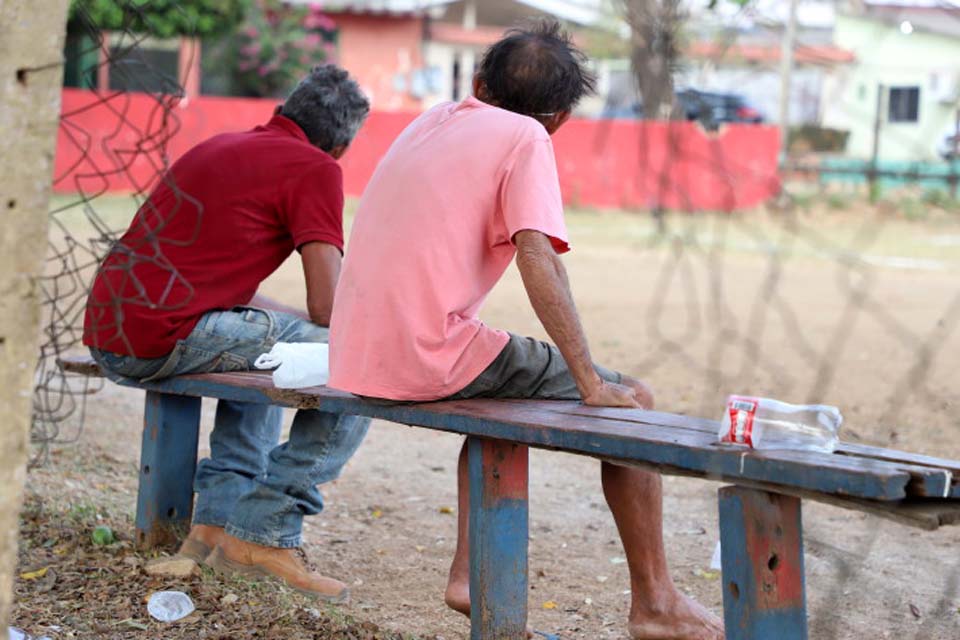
<point x="377" y="50"/>
<point x="118" y="144"/>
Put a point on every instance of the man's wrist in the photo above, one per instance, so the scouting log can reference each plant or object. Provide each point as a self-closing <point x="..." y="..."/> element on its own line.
<point x="589" y="386"/>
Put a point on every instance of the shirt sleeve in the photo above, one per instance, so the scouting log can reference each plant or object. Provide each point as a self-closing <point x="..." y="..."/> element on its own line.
<point x="312" y="208"/>
<point x="530" y="197"/>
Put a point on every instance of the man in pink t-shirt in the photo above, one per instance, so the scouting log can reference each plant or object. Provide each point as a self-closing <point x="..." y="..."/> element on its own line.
<point x="463" y="190"/>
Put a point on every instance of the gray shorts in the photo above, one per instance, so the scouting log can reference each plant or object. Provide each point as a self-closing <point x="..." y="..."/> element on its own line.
<point x="528" y="369"/>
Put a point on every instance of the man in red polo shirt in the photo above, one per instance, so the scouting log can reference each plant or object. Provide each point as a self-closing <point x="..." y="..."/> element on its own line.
<point x="177" y="295"/>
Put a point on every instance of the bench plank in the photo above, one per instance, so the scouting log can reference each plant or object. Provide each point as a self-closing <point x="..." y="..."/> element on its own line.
<point x="929" y="477"/>
<point x="498" y="419"/>
<point x="887" y="466"/>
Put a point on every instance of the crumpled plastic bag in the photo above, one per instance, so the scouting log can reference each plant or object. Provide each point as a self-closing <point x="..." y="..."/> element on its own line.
<point x="297" y="365"/>
<point x="170" y="606"/>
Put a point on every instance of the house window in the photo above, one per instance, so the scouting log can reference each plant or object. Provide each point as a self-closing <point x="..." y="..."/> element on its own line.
<point x="146" y="65"/>
<point x="904" y="104"/>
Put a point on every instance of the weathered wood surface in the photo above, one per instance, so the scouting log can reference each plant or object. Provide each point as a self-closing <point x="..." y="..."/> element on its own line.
<point x="669" y="442"/>
<point x="932" y="477"/>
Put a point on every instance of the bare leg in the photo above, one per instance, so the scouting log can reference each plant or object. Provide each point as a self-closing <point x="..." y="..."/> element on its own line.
<point x="457" y="595"/>
<point x="657" y="610"/>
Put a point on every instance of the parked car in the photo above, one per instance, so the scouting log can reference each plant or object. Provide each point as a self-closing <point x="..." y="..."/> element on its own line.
<point x="948" y="145"/>
<point x="714" y="109"/>
<point x="710" y="109"/>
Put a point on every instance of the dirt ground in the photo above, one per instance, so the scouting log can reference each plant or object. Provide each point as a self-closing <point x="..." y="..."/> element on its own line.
<point x="859" y="308"/>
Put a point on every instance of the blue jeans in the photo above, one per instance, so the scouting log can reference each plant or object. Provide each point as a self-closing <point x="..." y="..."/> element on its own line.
<point x="257" y="490"/>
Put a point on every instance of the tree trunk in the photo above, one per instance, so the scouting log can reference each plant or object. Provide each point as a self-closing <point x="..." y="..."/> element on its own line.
<point x="31" y="73"/>
<point x="655" y="52"/>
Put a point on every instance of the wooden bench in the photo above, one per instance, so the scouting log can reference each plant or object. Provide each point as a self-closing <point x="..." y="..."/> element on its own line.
<point x="760" y="520"/>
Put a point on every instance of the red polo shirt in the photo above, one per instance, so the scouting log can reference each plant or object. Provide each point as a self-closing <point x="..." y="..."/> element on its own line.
<point x="222" y="219"/>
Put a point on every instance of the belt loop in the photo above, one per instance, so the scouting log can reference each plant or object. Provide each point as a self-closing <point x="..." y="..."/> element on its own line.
<point x="270" y="338"/>
<point x="169" y="366"/>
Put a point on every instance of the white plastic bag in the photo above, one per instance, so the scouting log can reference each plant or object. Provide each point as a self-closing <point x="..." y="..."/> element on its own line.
<point x="170" y="606"/>
<point x="716" y="562"/>
<point x="297" y="365"/>
<point x="17" y="634"/>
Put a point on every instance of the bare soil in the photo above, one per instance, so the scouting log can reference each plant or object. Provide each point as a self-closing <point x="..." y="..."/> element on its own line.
<point x="859" y="309"/>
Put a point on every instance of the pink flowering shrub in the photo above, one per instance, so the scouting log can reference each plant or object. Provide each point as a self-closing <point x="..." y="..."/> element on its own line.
<point x="276" y="45"/>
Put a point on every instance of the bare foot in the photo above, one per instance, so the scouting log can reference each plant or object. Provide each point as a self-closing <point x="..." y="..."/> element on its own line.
<point x="457" y="597"/>
<point x="684" y="620"/>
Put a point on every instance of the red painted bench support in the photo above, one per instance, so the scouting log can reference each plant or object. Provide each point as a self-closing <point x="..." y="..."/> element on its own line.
<point x="762" y="555"/>
<point x="498" y="539"/>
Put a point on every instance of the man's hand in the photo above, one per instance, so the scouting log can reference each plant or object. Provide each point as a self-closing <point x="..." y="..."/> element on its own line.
<point x="630" y="393"/>
<point x="609" y="394"/>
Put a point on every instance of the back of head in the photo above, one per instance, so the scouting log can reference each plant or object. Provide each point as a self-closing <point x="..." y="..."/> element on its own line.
<point x="328" y="106"/>
<point x="536" y="71"/>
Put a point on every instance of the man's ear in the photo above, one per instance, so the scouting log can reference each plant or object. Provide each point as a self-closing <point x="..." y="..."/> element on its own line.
<point x="480" y="89"/>
<point x="556" y="121"/>
<point x="337" y="152"/>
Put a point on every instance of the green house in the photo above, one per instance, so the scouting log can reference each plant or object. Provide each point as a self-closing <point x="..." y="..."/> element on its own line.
<point x="901" y="95"/>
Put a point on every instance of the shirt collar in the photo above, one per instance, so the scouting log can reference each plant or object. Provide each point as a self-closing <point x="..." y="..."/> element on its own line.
<point x="472" y="102"/>
<point x="285" y="124"/>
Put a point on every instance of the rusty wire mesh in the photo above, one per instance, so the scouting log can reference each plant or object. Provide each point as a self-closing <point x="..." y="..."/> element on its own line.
<point x="80" y="237"/>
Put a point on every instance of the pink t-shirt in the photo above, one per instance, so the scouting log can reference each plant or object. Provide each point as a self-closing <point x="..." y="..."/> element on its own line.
<point x="432" y="236"/>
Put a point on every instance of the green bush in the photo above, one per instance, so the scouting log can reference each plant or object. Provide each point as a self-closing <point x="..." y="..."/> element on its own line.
<point x="161" y="18"/>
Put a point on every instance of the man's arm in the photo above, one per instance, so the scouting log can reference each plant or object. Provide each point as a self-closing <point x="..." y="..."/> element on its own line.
<point x="321" y="270"/>
<point x="263" y="302"/>
<point x="545" y="280"/>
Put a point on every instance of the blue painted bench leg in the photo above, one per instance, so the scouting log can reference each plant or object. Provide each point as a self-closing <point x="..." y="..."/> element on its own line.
<point x="168" y="461"/>
<point x="498" y="539"/>
<point x="763" y="580"/>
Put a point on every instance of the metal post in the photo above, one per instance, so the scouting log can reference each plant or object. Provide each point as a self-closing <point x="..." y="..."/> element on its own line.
<point x="762" y="557"/>
<point x="498" y="539"/>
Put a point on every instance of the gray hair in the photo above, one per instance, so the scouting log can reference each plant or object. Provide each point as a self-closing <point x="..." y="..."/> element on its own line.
<point x="328" y="106"/>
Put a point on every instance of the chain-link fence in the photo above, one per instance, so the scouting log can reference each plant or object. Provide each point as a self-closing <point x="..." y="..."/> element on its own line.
<point x="82" y="232"/>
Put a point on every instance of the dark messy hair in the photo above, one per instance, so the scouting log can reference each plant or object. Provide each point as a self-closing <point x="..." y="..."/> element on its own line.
<point x="536" y="70"/>
<point x="328" y="106"/>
